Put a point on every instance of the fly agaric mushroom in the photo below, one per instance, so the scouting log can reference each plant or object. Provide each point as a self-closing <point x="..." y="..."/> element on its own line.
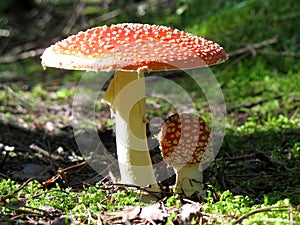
<point x="130" y="49"/>
<point x="183" y="141"/>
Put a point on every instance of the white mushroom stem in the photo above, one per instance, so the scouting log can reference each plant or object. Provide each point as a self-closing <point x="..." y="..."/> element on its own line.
<point x="189" y="180"/>
<point x="126" y="95"/>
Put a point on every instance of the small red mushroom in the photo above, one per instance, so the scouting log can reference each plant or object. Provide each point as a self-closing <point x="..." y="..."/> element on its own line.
<point x="130" y="49"/>
<point x="183" y="141"/>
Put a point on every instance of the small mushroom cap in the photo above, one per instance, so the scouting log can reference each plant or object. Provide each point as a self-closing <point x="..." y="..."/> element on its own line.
<point x="184" y="139"/>
<point x="132" y="46"/>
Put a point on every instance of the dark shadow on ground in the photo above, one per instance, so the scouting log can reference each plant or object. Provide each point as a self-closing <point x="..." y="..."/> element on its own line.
<point x="259" y="165"/>
<point x="27" y="153"/>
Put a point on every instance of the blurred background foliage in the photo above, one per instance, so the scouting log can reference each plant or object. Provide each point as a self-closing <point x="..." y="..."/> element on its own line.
<point x="28" y="26"/>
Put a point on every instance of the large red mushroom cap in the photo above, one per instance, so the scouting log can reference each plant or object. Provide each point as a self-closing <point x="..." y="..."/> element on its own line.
<point x="184" y="139"/>
<point x="132" y="46"/>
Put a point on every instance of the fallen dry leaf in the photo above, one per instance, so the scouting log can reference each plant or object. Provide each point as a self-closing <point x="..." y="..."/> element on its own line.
<point x="125" y="215"/>
<point x="153" y="213"/>
<point x="189" y="210"/>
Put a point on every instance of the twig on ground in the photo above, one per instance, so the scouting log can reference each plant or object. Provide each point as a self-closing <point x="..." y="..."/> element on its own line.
<point x="295" y="113"/>
<point x="137" y="187"/>
<point x="23" y="55"/>
<point x="238" y="59"/>
<point x="6" y="154"/>
<point x="78" y="8"/>
<point x="266" y="209"/>
<point x="5" y="176"/>
<point x="271" y="221"/>
<point x="250" y="104"/>
<point x="45" y="153"/>
<point x="14" y="94"/>
<point x="210" y="217"/>
<point x="25" y="211"/>
<point x="291" y="216"/>
<point x="278" y="53"/>
<point x="289" y="16"/>
<point x="74" y="166"/>
<point x="252" y="47"/>
<point x="295" y="99"/>
<point x="112" y="14"/>
<point x="15" y="126"/>
<point x="2" y="199"/>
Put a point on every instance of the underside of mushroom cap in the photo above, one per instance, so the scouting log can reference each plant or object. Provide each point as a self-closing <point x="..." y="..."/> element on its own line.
<point x="132" y="46"/>
<point x="184" y="139"/>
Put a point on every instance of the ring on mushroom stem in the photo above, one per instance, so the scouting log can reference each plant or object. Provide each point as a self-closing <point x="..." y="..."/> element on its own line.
<point x="130" y="49"/>
<point x="183" y="141"/>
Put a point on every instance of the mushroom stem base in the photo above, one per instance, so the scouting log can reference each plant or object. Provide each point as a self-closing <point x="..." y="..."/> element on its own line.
<point x="189" y="180"/>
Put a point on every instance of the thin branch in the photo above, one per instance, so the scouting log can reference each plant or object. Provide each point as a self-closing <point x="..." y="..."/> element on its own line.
<point x="4" y="176"/>
<point x="266" y="209"/>
<point x="15" y="126"/>
<point x="45" y="153"/>
<point x="249" y="105"/>
<point x="238" y="59"/>
<point x="278" y="53"/>
<point x="289" y="16"/>
<point x="77" y="11"/>
<point x="112" y="14"/>
<point x="14" y="94"/>
<point x="2" y="199"/>
<point x="294" y="115"/>
<point x="252" y="47"/>
<point x="23" y="55"/>
<point x="271" y="221"/>
<point x="74" y="166"/>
